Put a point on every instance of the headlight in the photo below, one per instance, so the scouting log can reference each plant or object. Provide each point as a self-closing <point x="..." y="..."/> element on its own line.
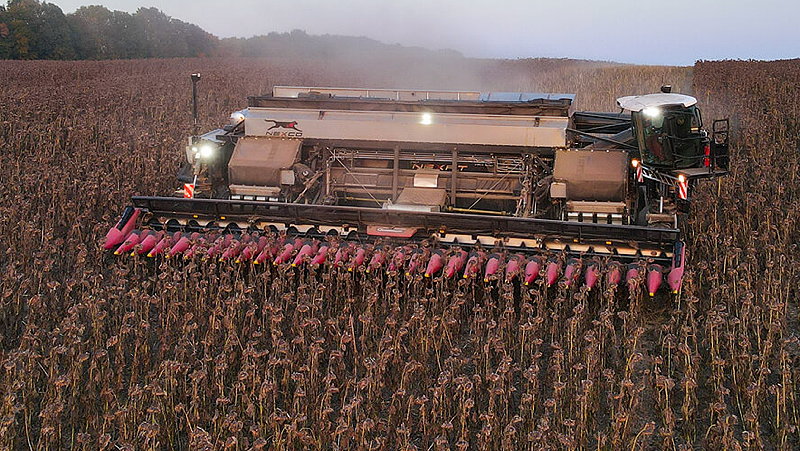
<point x="207" y="151"/>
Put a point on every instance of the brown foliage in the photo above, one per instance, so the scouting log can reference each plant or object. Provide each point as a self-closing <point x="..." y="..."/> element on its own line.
<point x="103" y="353"/>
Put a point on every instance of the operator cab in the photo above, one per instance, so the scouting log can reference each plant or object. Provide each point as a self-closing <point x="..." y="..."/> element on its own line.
<point x="669" y="133"/>
<point x="669" y="136"/>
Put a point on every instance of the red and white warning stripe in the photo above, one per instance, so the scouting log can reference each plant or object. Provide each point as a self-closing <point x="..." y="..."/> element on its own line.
<point x="640" y="174"/>
<point x="188" y="190"/>
<point x="683" y="188"/>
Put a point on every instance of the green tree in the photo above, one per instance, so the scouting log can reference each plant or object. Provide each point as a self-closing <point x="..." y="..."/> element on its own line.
<point x="31" y="29"/>
<point x="163" y="40"/>
<point x="198" y="41"/>
<point x="6" y="42"/>
<point x="54" y="34"/>
<point x="91" y="25"/>
<point x="104" y="34"/>
<point x="34" y="29"/>
<point x="127" y="37"/>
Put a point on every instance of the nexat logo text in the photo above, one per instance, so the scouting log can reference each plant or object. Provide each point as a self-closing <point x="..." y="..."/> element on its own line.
<point x="283" y="129"/>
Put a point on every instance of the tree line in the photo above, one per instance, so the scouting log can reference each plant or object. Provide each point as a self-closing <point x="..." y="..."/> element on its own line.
<point x="32" y="29"/>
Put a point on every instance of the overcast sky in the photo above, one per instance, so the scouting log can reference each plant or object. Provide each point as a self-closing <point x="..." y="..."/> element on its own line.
<point x="633" y="31"/>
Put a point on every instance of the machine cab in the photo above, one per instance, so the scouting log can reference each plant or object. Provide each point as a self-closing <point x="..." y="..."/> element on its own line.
<point x="668" y="130"/>
<point x="670" y="136"/>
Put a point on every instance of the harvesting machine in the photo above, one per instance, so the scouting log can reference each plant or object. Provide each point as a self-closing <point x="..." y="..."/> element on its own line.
<point x="503" y="186"/>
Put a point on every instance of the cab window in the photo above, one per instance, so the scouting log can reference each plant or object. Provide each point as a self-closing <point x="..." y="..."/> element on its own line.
<point x="651" y="137"/>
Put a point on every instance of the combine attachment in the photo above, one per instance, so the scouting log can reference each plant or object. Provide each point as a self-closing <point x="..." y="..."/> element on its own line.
<point x="449" y="246"/>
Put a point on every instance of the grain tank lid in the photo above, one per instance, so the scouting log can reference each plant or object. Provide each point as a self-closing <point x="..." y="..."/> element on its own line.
<point x="512" y="97"/>
<point x="288" y="92"/>
<point x="638" y="103"/>
<point x="385" y="94"/>
<point x="258" y="160"/>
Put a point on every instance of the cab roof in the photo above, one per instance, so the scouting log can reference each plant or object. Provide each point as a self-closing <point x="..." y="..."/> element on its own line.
<point x="638" y="103"/>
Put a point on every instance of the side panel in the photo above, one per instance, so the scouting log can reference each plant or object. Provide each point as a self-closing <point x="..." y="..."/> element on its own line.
<point x="258" y="160"/>
<point x="525" y="131"/>
<point x="592" y="175"/>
